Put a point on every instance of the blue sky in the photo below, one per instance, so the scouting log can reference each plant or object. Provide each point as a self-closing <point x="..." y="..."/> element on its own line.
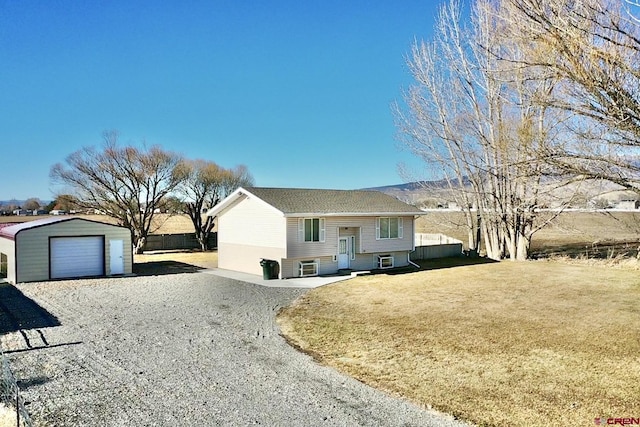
<point x="299" y="91"/>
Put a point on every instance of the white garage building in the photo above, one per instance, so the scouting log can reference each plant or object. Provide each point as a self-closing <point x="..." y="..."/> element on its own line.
<point x="62" y="248"/>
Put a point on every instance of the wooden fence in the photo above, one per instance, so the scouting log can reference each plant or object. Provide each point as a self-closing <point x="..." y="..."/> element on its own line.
<point x="429" y="246"/>
<point x="168" y="242"/>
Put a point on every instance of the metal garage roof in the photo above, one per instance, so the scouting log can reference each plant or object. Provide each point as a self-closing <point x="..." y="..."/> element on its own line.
<point x="10" y="231"/>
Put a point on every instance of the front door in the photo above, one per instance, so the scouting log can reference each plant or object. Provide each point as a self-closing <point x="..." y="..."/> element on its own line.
<point x="116" y="255"/>
<point x="343" y="253"/>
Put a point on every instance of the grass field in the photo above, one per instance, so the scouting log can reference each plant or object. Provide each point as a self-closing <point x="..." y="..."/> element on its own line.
<point x="587" y="234"/>
<point x="534" y="343"/>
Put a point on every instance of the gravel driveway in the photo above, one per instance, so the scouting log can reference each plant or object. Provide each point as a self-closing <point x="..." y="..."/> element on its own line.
<point x="183" y="350"/>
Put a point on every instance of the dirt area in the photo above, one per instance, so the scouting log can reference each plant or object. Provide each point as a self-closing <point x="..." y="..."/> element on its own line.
<point x="188" y="349"/>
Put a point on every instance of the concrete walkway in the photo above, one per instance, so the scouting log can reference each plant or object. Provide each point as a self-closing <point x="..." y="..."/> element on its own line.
<point x="300" y="282"/>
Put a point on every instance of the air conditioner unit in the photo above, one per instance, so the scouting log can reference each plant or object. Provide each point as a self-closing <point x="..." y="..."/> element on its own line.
<point x="308" y="268"/>
<point x="385" y="261"/>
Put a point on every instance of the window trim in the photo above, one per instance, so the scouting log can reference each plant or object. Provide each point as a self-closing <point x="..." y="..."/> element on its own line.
<point x="399" y="231"/>
<point x="352" y="245"/>
<point x="302" y="230"/>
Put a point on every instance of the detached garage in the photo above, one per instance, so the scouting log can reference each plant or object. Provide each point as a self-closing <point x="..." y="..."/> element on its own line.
<point x="63" y="248"/>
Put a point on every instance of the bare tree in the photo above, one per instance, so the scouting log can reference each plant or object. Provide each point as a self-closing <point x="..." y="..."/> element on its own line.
<point x="472" y="117"/>
<point x="238" y="176"/>
<point x="126" y="183"/>
<point x="32" y="204"/>
<point x="64" y="202"/>
<point x="592" y="47"/>
<point x="205" y="184"/>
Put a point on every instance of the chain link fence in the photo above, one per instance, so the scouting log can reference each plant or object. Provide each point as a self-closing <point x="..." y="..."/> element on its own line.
<point x="12" y="409"/>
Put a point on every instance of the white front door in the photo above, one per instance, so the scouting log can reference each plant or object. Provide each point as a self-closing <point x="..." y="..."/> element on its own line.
<point x="343" y="252"/>
<point x="116" y="257"/>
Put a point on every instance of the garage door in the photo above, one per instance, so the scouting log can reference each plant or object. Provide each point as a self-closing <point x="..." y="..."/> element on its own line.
<point x="76" y="256"/>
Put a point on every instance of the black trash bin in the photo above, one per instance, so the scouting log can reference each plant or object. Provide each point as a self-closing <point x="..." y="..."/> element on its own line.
<point x="269" y="269"/>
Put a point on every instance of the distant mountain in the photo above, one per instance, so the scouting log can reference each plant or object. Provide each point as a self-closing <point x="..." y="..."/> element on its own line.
<point x="420" y="193"/>
<point x="585" y="194"/>
<point x="419" y="186"/>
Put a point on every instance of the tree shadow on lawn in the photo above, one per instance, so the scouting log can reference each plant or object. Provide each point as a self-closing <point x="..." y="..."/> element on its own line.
<point x="162" y="268"/>
<point x="591" y="250"/>
<point x="19" y="312"/>
<point x="437" y="264"/>
<point x="459" y="261"/>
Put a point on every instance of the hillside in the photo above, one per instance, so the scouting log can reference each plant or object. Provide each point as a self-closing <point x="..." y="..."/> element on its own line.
<point x="581" y="195"/>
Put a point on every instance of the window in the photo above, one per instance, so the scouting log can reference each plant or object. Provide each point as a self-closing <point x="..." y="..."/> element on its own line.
<point x="311" y="229"/>
<point x="4" y="265"/>
<point x="308" y="268"/>
<point x="352" y="240"/>
<point x="389" y="228"/>
<point x="385" y="261"/>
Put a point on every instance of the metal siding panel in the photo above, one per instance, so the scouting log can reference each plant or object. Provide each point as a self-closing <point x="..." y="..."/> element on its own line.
<point x="8" y="247"/>
<point x="32" y="246"/>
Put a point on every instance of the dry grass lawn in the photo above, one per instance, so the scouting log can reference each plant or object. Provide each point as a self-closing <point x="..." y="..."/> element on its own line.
<point x="502" y="344"/>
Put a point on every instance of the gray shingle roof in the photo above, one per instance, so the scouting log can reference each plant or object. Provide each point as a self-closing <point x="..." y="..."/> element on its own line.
<point x="305" y="201"/>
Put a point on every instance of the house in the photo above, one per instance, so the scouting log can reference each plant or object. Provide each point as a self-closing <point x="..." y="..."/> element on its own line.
<point x="63" y="247"/>
<point x="628" y="204"/>
<point x="312" y="232"/>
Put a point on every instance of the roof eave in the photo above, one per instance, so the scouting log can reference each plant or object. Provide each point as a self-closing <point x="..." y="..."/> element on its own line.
<point x="235" y="196"/>
<point x="336" y="214"/>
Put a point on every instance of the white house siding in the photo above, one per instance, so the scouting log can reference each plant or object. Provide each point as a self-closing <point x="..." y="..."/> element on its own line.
<point x="32" y="246"/>
<point x="7" y="247"/>
<point x="301" y="249"/>
<point x="365" y="238"/>
<point x="246" y="258"/>
<point x="372" y="245"/>
<point x="248" y="232"/>
<point x="367" y="247"/>
<point x="291" y="267"/>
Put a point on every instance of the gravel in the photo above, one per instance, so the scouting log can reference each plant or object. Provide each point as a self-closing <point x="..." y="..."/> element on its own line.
<point x="183" y="350"/>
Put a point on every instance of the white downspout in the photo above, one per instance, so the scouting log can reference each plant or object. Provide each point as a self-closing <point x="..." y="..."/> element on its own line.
<point x="413" y="238"/>
<point x="409" y="259"/>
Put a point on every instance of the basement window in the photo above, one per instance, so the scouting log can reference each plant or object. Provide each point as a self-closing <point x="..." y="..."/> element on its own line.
<point x="385" y="261"/>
